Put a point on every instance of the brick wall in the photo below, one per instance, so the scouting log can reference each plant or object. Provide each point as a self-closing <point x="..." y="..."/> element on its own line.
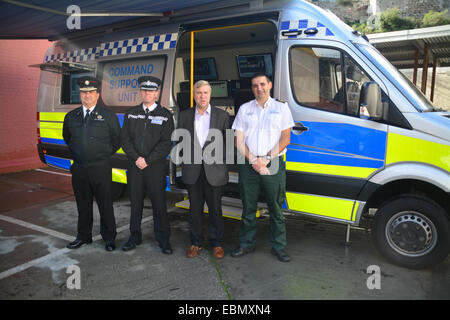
<point x="18" y="103"/>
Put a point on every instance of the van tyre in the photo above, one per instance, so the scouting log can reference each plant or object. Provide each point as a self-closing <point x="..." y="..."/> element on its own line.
<point x="412" y="231"/>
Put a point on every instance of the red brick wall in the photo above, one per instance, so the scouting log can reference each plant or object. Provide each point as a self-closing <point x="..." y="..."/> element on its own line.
<point x="18" y="99"/>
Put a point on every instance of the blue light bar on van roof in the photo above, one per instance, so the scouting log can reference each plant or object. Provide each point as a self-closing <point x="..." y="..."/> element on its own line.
<point x="304" y="28"/>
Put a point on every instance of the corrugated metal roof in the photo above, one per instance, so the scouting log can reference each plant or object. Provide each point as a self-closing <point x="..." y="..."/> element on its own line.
<point x="399" y="47"/>
<point x="28" y="19"/>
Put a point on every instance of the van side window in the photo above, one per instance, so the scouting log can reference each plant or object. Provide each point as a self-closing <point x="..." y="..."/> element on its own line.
<point x="317" y="78"/>
<point x="70" y="91"/>
<point x="354" y="79"/>
<point x="315" y="74"/>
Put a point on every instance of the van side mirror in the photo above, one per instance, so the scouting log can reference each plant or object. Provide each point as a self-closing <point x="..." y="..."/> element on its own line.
<point x="370" y="105"/>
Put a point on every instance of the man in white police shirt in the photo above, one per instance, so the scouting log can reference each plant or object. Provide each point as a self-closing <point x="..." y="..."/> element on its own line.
<point x="263" y="128"/>
<point x="145" y="138"/>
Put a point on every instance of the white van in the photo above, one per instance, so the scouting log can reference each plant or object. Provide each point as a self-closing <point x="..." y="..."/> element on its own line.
<point x="368" y="148"/>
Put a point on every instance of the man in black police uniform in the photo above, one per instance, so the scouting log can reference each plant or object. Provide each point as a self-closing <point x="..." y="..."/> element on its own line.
<point x="92" y="133"/>
<point x="145" y="137"/>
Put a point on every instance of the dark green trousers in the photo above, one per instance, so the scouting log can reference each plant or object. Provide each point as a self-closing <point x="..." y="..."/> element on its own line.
<point x="274" y="187"/>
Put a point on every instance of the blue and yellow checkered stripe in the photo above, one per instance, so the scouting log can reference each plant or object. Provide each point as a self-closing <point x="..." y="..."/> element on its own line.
<point x="142" y="44"/>
<point x="304" y="25"/>
<point x="114" y="48"/>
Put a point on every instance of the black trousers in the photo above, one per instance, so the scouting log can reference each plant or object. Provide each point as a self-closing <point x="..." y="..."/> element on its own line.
<point x="198" y="193"/>
<point x="87" y="183"/>
<point x="151" y="181"/>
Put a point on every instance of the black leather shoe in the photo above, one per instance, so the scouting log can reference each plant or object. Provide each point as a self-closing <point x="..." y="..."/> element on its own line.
<point x="78" y="243"/>
<point x="130" y="245"/>
<point x="239" y="252"/>
<point x="281" y="255"/>
<point x="110" y="246"/>
<point x="167" y="249"/>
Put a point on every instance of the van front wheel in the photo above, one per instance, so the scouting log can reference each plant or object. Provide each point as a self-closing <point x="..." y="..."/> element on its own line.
<point x="412" y="231"/>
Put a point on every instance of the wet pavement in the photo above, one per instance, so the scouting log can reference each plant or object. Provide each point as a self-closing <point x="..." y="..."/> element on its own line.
<point x="38" y="218"/>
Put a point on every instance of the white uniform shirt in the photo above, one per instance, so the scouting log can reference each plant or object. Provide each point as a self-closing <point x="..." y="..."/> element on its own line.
<point x="90" y="111"/>
<point x="262" y="126"/>
<point x="150" y="108"/>
<point x="201" y="125"/>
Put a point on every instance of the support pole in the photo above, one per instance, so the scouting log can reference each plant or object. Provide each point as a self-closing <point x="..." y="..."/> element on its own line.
<point x="425" y="69"/>
<point x="192" y="70"/>
<point x="416" y="66"/>
<point x="433" y="80"/>
<point x="347" y="237"/>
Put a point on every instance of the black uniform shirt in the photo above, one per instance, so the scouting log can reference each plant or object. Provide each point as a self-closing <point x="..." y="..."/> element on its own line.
<point x="94" y="141"/>
<point x="147" y="136"/>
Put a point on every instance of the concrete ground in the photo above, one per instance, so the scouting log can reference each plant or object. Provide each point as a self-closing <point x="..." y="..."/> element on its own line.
<point x="38" y="218"/>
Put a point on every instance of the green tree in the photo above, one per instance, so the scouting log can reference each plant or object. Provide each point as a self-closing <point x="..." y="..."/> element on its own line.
<point x="390" y="20"/>
<point x="345" y="3"/>
<point x="432" y="19"/>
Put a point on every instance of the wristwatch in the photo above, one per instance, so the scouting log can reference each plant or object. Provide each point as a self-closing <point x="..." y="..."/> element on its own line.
<point x="268" y="157"/>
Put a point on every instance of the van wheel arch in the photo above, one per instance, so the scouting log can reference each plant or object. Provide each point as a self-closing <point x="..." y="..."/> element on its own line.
<point x="411" y="187"/>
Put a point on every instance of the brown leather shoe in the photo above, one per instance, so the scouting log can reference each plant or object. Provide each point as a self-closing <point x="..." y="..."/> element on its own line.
<point x="218" y="252"/>
<point x="192" y="251"/>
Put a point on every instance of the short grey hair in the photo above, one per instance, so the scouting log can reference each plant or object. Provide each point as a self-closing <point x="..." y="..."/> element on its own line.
<point x="201" y="83"/>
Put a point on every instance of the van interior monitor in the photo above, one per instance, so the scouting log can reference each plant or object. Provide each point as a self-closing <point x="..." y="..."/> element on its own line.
<point x="248" y="65"/>
<point x="204" y="69"/>
<point x="219" y="89"/>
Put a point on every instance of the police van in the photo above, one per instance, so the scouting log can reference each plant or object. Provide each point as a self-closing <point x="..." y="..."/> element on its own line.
<point x="368" y="149"/>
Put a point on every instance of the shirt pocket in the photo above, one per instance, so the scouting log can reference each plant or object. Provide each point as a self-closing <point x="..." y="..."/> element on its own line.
<point x="75" y="129"/>
<point x="250" y="121"/>
<point x="273" y="121"/>
<point x="99" y="129"/>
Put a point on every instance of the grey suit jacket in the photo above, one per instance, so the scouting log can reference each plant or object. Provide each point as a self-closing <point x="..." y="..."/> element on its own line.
<point x="216" y="173"/>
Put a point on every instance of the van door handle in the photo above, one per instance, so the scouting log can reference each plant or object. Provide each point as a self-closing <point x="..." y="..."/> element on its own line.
<point x="299" y="128"/>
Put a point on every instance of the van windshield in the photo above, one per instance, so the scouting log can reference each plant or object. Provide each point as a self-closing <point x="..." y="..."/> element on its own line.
<point x="414" y="95"/>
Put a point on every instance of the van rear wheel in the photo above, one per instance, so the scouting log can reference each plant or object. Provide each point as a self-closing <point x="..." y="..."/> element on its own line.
<point x="412" y="231"/>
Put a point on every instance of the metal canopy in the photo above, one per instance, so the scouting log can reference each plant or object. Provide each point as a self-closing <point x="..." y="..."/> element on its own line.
<point x="47" y="19"/>
<point x="402" y="47"/>
<point x="63" y="67"/>
<point x="416" y="48"/>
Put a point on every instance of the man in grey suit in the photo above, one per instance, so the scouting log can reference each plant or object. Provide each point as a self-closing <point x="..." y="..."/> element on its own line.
<point x="206" y="173"/>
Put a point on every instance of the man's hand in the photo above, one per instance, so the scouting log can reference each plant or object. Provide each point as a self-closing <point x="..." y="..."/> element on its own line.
<point x="260" y="166"/>
<point x="140" y="163"/>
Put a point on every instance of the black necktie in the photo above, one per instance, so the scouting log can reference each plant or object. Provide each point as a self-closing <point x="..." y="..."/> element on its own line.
<point x="144" y="131"/>
<point x="87" y="116"/>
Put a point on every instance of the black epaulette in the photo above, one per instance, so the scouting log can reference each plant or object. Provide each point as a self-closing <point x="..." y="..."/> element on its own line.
<point x="280" y="101"/>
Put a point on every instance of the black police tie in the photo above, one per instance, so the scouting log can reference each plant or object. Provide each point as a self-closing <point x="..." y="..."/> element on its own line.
<point x="144" y="131"/>
<point x="87" y="116"/>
